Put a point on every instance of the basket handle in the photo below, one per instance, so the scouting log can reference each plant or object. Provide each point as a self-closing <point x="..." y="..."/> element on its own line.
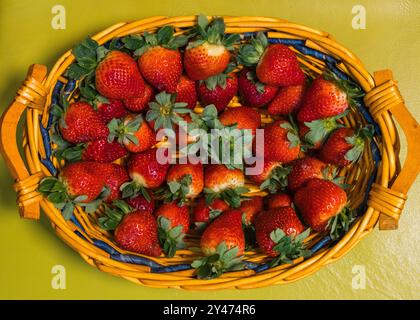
<point x="411" y="168"/>
<point x="32" y="95"/>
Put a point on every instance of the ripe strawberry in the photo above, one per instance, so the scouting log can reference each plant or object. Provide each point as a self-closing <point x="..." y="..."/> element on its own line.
<point x="243" y="117"/>
<point x="281" y="142"/>
<point x="173" y="224"/>
<point x="208" y="54"/>
<point x="145" y="172"/>
<point x="185" y="92"/>
<point x="277" y="232"/>
<point x="141" y="203"/>
<point x="115" y="176"/>
<point x="254" y="93"/>
<point x="276" y="64"/>
<point x="117" y="76"/>
<point x="218" y="94"/>
<point x="250" y="209"/>
<point x="326" y="97"/>
<point x="345" y="146"/>
<point x="79" y="183"/>
<point x="138" y="233"/>
<point x="318" y="201"/>
<point x="132" y="132"/>
<point x="204" y="213"/>
<point x="223" y="244"/>
<point x="273" y="176"/>
<point x="80" y="123"/>
<point x="287" y="100"/>
<point x="279" y="200"/>
<point x="140" y="103"/>
<point x="185" y="181"/>
<point x="303" y="170"/>
<point x="224" y="183"/>
<point x="113" y="109"/>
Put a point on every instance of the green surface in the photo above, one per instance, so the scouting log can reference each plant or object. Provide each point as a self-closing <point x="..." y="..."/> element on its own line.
<point x="29" y="250"/>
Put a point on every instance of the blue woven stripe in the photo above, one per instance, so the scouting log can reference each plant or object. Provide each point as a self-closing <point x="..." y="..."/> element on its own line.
<point x="135" y="260"/>
<point x="69" y="88"/>
<point x="179" y="267"/>
<point x="55" y="98"/>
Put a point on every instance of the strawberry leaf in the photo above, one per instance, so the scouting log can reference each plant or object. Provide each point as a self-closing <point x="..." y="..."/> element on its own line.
<point x="113" y="214"/>
<point x="170" y="238"/>
<point x="340" y="224"/>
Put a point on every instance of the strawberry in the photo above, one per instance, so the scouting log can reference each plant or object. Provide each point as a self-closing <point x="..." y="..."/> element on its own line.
<point x="132" y="132"/>
<point x="276" y="64"/>
<point x="287" y="100"/>
<point x="208" y="54"/>
<point x="224" y="183"/>
<point x="173" y="223"/>
<point x="318" y="201"/>
<point x="303" y="170"/>
<point x="281" y="142"/>
<point x="345" y="146"/>
<point x="79" y="122"/>
<point x="145" y="172"/>
<point x="250" y="209"/>
<point x="79" y="183"/>
<point x="110" y="110"/>
<point x="160" y="62"/>
<point x="185" y="181"/>
<point x="254" y="93"/>
<point x="223" y="244"/>
<point x="140" y="103"/>
<point x="326" y="97"/>
<point x="118" y="77"/>
<point x="218" y="92"/>
<point x="115" y="176"/>
<point x="186" y="92"/>
<point x="279" y="200"/>
<point x="141" y="203"/>
<point x="204" y="213"/>
<point x="243" y="117"/>
<point x="273" y="176"/>
<point x="138" y="232"/>
<point x="280" y="235"/>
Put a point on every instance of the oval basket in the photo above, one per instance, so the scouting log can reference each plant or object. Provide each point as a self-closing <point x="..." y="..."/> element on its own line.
<point x="378" y="183"/>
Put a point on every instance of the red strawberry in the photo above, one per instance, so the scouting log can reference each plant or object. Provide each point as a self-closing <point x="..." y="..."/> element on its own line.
<point x="81" y="123"/>
<point x="103" y="151"/>
<point x="253" y="92"/>
<point x="219" y="95"/>
<point x="118" y="77"/>
<point x="287" y="100"/>
<point x="268" y="167"/>
<point x="274" y="227"/>
<point x="243" y="117"/>
<point x="185" y="92"/>
<point x="110" y="110"/>
<point x="138" y="233"/>
<point x="177" y="215"/>
<point x="279" y="200"/>
<point x="141" y="203"/>
<point x="318" y="201"/>
<point x="115" y="176"/>
<point x="185" y="181"/>
<point x="303" y="170"/>
<point x="273" y="176"/>
<point x="140" y="103"/>
<point x="250" y="209"/>
<point x="326" y="97"/>
<point x="145" y="172"/>
<point x="208" y="54"/>
<point x="281" y="142"/>
<point x="345" y="146"/>
<point x="276" y="64"/>
<point x="203" y="212"/>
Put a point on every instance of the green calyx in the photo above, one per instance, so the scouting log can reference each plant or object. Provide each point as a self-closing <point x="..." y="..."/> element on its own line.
<point x="113" y="214"/>
<point x="164" y="111"/>
<point x="292" y="132"/>
<point x="277" y="179"/>
<point x="56" y="192"/>
<point x="340" y="224"/>
<point x="88" y="54"/>
<point x="331" y="173"/>
<point x="212" y="32"/>
<point x="357" y="141"/>
<point x="89" y="93"/>
<point x="219" y="79"/>
<point x="289" y="248"/>
<point x="131" y="189"/>
<point x="70" y="153"/>
<point x="222" y="261"/>
<point x="320" y="129"/>
<point x="249" y="54"/>
<point x="251" y="76"/>
<point x="176" y="190"/>
<point x="170" y="238"/>
<point x="164" y="37"/>
<point x="232" y="196"/>
<point x="123" y="131"/>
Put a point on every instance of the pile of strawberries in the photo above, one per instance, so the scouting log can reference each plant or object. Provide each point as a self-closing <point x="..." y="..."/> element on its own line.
<point x="106" y="136"/>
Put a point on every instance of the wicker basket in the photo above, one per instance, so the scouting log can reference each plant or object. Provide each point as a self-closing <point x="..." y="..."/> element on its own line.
<point x="378" y="184"/>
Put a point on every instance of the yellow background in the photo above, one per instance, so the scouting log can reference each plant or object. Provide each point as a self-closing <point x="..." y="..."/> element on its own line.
<point x="28" y="250"/>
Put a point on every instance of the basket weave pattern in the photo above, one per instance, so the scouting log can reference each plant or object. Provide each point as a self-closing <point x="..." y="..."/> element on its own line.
<point x="378" y="184"/>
